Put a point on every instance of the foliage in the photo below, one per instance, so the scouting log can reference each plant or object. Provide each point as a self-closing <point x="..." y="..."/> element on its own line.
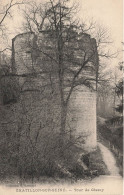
<point x="35" y="139"/>
<point x="119" y="92"/>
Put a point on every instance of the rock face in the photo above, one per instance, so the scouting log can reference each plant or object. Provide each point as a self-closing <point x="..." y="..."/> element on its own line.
<point x="28" y="61"/>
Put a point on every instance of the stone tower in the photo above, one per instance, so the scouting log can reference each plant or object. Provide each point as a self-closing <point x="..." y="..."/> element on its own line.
<point x="83" y="99"/>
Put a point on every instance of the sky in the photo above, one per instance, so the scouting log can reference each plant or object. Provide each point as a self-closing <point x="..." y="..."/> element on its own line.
<point x="107" y="13"/>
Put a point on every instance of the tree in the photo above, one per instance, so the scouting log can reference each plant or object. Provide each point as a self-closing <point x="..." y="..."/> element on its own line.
<point x="72" y="55"/>
<point x="63" y="57"/>
<point x="6" y="12"/>
<point x="119" y="93"/>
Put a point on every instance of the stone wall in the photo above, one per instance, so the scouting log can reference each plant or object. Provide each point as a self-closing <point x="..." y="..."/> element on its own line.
<point x="83" y="102"/>
<point x="27" y="60"/>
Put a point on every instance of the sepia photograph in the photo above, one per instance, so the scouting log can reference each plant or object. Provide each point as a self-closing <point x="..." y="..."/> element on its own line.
<point x="61" y="97"/>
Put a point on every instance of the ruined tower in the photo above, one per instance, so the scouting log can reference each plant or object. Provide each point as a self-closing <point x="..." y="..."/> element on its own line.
<point x="26" y="60"/>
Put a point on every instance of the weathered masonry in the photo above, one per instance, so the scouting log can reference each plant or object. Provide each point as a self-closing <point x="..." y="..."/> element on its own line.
<point x="28" y="61"/>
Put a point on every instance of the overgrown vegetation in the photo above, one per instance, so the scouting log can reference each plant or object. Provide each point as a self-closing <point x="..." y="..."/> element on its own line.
<point x="36" y="139"/>
<point x="111" y="134"/>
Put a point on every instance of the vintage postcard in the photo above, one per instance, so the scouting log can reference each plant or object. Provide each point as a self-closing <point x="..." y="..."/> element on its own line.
<point x="61" y="97"/>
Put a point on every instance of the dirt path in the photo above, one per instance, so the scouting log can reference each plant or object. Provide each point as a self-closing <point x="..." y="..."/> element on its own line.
<point x="109" y="160"/>
<point x="107" y="184"/>
<point x="104" y="184"/>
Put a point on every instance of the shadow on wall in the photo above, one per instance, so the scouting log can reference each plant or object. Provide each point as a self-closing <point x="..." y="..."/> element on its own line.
<point x="9" y="90"/>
